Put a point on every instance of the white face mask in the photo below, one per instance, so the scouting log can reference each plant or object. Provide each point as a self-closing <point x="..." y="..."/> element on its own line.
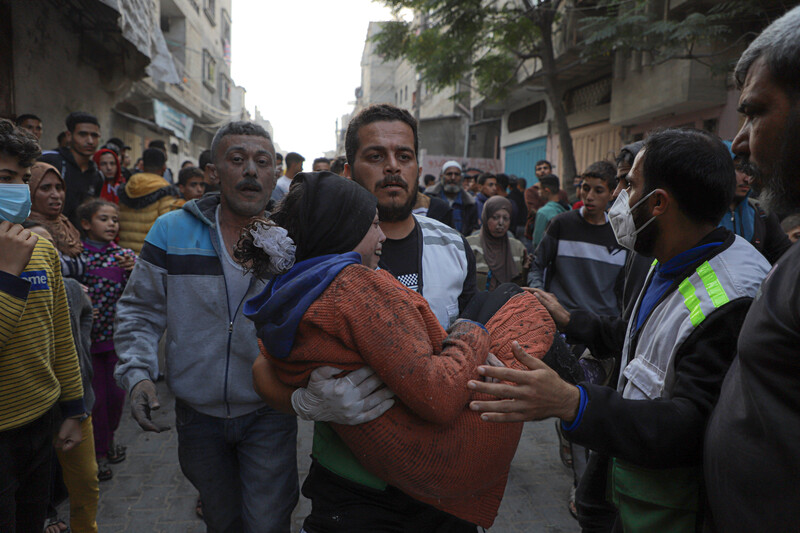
<point x="621" y="218"/>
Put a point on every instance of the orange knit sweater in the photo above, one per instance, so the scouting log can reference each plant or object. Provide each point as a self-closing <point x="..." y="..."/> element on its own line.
<point x="429" y="444"/>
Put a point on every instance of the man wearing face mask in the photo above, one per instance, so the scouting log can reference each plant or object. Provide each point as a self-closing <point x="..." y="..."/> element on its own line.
<point x="680" y="341"/>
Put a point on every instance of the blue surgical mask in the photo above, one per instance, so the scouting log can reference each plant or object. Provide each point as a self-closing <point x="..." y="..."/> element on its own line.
<point x="15" y="202"/>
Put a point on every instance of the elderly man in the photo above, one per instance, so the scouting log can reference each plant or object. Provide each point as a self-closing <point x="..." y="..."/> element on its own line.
<point x="680" y="341"/>
<point x="239" y="453"/>
<point x="449" y="189"/>
<point x="751" y="452"/>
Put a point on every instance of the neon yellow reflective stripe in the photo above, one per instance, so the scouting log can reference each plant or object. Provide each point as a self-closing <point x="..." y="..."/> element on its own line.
<point x="692" y="302"/>
<point x="712" y="285"/>
<point x="655" y="262"/>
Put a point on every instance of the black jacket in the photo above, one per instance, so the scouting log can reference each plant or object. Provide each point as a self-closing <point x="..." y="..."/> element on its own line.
<point x="668" y="432"/>
<point x="751" y="448"/>
<point x="768" y="236"/>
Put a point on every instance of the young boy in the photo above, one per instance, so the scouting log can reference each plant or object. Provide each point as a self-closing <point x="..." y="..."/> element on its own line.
<point x="579" y="259"/>
<point x="191" y="183"/>
<point x="38" y="362"/>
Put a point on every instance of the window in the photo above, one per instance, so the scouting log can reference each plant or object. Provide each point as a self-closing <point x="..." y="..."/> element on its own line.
<point x="209" y="70"/>
<point x="225" y="24"/>
<point x="588" y="96"/>
<point x="226" y="35"/>
<point x="225" y="84"/>
<point x="527" y="116"/>
<point x="210" y="9"/>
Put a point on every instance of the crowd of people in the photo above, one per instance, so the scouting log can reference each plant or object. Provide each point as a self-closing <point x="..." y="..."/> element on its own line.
<point x="418" y="322"/>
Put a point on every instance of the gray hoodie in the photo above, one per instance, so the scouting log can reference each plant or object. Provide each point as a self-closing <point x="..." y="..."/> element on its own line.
<point x="178" y="285"/>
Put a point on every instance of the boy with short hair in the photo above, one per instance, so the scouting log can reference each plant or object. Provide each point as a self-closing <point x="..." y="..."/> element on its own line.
<point x="579" y="259"/>
<point x="38" y="361"/>
<point x="191" y="183"/>
<point x="549" y="189"/>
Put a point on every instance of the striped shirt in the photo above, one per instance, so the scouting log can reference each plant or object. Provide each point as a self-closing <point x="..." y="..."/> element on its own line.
<point x="38" y="361"/>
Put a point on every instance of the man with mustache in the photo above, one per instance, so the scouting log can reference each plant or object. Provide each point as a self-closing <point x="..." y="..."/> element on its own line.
<point x="449" y="189"/>
<point x="751" y="453"/>
<point x="239" y="453"/>
<point x="426" y="256"/>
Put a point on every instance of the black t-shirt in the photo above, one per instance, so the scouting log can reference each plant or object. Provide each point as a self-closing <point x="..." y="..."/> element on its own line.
<point x="401" y="257"/>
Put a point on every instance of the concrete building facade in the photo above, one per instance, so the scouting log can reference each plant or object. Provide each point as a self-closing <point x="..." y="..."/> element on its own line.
<point x="185" y="112"/>
<point x="148" y="69"/>
<point x="616" y="100"/>
<point x="443" y="119"/>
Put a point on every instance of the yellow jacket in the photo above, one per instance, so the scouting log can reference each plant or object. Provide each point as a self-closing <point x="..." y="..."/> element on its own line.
<point x="145" y="198"/>
<point x="38" y="361"/>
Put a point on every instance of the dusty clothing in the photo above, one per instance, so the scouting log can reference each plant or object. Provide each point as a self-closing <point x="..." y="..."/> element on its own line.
<point x="143" y="199"/>
<point x="429" y="445"/>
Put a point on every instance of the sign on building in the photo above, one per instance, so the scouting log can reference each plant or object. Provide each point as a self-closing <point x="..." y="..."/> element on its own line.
<point x="174" y="120"/>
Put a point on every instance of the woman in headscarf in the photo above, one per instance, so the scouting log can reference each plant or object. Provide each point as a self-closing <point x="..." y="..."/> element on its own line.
<point x="108" y="163"/>
<point x="327" y="305"/>
<point x="499" y="257"/>
<point x="48" y="192"/>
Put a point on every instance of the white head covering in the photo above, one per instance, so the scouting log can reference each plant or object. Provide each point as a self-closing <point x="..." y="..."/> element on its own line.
<point x="451" y="163"/>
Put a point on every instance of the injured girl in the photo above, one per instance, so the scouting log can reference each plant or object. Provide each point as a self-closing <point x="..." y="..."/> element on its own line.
<point x="327" y="305"/>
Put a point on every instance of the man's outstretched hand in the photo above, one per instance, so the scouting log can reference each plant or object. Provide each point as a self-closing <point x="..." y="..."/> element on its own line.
<point x="533" y="394"/>
<point x="144" y="399"/>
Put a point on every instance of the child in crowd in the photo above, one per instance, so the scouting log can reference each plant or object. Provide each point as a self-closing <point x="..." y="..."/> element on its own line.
<point x="107" y="269"/>
<point x="108" y="163"/>
<point x="191" y="183"/>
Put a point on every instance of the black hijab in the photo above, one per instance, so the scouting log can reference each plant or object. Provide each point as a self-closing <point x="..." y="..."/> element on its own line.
<point x="335" y="214"/>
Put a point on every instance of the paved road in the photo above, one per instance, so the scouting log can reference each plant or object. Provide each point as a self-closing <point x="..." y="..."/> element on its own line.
<point x="149" y="493"/>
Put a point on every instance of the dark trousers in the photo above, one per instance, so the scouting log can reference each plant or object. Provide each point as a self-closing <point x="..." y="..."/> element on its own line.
<point x="109" y="401"/>
<point x="339" y="505"/>
<point x="595" y="513"/>
<point x="25" y="469"/>
<point x="245" y="468"/>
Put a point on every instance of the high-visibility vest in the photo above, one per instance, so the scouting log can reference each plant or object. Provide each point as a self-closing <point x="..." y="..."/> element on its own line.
<point x="668" y="499"/>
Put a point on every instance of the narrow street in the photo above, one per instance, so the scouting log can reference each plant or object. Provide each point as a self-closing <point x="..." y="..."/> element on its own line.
<point x="150" y="494"/>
